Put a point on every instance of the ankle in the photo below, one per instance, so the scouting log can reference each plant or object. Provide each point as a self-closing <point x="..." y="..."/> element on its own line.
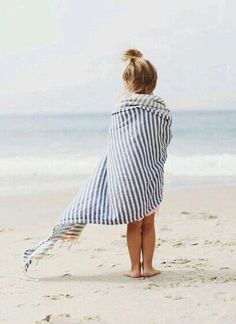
<point x="147" y="265"/>
<point x="135" y="267"/>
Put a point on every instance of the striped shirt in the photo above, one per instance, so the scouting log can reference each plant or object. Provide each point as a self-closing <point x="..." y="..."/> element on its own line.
<point x="128" y="181"/>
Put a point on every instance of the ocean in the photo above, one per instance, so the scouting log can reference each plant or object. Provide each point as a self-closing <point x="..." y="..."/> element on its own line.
<point x="56" y="152"/>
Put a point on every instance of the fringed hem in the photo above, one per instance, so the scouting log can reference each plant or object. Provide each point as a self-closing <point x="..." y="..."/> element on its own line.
<point x="65" y="233"/>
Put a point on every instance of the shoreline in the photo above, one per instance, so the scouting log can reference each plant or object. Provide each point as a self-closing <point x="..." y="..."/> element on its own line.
<point x="168" y="186"/>
<point x="51" y="184"/>
<point x="48" y="206"/>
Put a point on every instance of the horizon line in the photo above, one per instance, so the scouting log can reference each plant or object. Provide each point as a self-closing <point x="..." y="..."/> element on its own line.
<point x="63" y="113"/>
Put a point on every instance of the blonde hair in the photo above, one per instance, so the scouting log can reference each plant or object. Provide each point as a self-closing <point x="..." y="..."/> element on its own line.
<point x="139" y="75"/>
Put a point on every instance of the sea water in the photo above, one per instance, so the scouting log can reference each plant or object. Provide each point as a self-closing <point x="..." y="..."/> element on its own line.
<point x="56" y="152"/>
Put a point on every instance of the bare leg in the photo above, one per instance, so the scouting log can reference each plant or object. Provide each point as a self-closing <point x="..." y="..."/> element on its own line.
<point x="148" y="246"/>
<point x="134" y="242"/>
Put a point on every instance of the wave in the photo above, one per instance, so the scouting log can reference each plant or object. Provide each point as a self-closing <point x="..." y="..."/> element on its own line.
<point x="201" y="165"/>
<point x="48" y="166"/>
<point x="176" y="165"/>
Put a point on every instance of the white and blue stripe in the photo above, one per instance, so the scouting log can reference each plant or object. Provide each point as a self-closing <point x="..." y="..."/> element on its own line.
<point x="128" y="181"/>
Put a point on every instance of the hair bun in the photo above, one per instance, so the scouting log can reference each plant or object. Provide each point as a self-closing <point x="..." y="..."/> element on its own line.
<point x="131" y="54"/>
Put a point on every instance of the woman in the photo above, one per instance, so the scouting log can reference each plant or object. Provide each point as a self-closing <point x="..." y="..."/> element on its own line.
<point x="127" y="185"/>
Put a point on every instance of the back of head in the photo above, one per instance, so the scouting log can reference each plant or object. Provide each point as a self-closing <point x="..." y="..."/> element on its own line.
<point x="140" y="75"/>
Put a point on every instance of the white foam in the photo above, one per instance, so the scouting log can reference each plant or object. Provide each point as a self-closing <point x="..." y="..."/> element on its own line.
<point x="201" y="165"/>
<point x="176" y="165"/>
<point x="39" y="166"/>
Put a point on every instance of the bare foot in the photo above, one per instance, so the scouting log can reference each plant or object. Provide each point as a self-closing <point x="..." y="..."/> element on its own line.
<point x="133" y="274"/>
<point x="150" y="272"/>
<point x="136" y="273"/>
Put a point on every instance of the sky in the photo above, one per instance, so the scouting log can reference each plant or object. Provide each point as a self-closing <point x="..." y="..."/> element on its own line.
<point x="65" y="56"/>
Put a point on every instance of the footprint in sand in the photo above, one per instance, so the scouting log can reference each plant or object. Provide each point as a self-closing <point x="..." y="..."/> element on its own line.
<point x="166" y="265"/>
<point x="151" y="285"/>
<point x="45" y="319"/>
<point x="90" y="318"/>
<point x="180" y="243"/>
<point x="174" y="297"/>
<point x="178" y="298"/>
<point x="203" y="215"/>
<point x="181" y="261"/>
<point x="185" y="213"/>
<point x="28" y="238"/>
<point x="61" y="318"/>
<point x="66" y="275"/>
<point x="207" y="216"/>
<point x="115" y="264"/>
<point x="162" y="240"/>
<point x="59" y="296"/>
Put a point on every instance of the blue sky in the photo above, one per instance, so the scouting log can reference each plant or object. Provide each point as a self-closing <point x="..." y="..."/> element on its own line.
<point x="64" y="56"/>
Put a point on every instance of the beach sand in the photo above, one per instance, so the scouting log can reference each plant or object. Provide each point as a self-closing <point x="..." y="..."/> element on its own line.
<point x="195" y="249"/>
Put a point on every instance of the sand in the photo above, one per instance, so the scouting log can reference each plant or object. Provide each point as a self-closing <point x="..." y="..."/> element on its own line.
<point x="195" y="249"/>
